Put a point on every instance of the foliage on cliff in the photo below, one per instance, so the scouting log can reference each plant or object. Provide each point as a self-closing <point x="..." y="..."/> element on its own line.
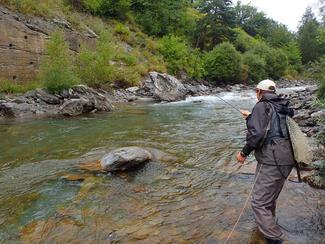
<point x="183" y="36"/>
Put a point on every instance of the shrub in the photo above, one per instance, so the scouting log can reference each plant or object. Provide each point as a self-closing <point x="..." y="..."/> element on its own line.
<point x="223" y="63"/>
<point x="122" y="31"/>
<point x="242" y="41"/>
<point x="316" y="71"/>
<point x="293" y="54"/>
<point x="95" y="68"/>
<point x="128" y="76"/>
<point x="276" y="61"/>
<point x="174" y="51"/>
<point x="256" y="67"/>
<point x="93" y="6"/>
<point x="56" y="68"/>
<point x="115" y="8"/>
<point x="180" y="57"/>
<point x="321" y="88"/>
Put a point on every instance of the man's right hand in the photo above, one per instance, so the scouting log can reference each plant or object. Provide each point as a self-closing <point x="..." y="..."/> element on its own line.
<point x="240" y="158"/>
<point x="245" y="113"/>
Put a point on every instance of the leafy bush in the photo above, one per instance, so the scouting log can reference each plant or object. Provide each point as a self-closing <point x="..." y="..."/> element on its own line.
<point x="57" y="70"/>
<point x="277" y="63"/>
<point x="242" y="41"/>
<point x="115" y="8"/>
<point x="223" y="64"/>
<point x="95" y="67"/>
<point x="122" y="31"/>
<point x="180" y="57"/>
<point x="256" y="67"/>
<point x="275" y="59"/>
<point x="93" y="6"/>
<point x="108" y="8"/>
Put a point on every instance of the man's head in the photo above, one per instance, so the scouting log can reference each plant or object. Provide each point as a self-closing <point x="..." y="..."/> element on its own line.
<point x="263" y="87"/>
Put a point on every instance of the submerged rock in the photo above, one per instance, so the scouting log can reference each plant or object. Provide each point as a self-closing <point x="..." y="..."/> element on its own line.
<point x="124" y="158"/>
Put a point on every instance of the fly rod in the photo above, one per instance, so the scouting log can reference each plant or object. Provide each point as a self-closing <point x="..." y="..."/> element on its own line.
<point x="237" y="109"/>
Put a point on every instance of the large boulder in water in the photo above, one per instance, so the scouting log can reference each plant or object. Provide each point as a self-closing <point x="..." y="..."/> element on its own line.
<point x="165" y="87"/>
<point x="124" y="158"/>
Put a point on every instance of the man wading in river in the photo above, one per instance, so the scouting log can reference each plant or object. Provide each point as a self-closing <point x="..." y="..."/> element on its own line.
<point x="268" y="136"/>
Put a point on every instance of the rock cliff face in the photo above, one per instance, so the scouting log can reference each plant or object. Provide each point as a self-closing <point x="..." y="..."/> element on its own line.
<point x="23" y="39"/>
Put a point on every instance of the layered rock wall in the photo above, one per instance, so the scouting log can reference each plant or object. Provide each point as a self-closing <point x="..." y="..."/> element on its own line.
<point x="22" y="43"/>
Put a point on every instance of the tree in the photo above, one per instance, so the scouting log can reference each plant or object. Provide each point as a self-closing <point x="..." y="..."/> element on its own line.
<point x="250" y="19"/>
<point x="215" y="26"/>
<point x="277" y="35"/>
<point x="223" y="64"/>
<point x="162" y="17"/>
<point x="293" y="53"/>
<point x="307" y="37"/>
<point x="322" y="9"/>
<point x="180" y="57"/>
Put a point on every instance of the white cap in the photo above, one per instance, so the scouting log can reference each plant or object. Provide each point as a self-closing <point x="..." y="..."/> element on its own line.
<point x="266" y="85"/>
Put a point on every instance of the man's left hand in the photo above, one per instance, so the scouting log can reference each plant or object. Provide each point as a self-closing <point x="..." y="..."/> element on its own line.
<point x="240" y="158"/>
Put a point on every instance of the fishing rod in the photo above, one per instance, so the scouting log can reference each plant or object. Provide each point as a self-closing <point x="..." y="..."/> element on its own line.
<point x="228" y="103"/>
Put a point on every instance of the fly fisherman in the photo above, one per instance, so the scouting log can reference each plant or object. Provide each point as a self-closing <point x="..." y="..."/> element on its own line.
<point x="268" y="136"/>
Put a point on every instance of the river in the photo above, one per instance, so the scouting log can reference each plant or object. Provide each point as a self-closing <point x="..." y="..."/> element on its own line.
<point x="194" y="199"/>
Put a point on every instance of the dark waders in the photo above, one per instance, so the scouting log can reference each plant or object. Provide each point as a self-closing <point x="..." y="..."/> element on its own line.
<point x="275" y="162"/>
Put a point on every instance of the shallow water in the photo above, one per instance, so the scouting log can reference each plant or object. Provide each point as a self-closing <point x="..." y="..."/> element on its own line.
<point x="194" y="199"/>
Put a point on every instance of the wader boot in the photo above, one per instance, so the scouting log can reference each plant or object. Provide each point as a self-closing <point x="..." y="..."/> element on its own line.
<point x="269" y="241"/>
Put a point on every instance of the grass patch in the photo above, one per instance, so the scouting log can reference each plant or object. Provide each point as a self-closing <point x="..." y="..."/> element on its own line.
<point x="45" y="8"/>
<point x="10" y="87"/>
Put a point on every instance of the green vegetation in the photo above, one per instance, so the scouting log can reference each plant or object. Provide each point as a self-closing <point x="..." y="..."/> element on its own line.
<point x="12" y="87"/>
<point x="57" y="71"/>
<point x="94" y="67"/>
<point x="256" y="67"/>
<point x="223" y="64"/>
<point x="216" y="40"/>
<point x="180" y="57"/>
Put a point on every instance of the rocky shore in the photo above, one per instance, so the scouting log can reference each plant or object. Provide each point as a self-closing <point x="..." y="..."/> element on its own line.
<point x="311" y="119"/>
<point x="81" y="99"/>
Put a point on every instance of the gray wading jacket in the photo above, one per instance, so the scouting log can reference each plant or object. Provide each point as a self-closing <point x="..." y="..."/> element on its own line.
<point x="258" y="125"/>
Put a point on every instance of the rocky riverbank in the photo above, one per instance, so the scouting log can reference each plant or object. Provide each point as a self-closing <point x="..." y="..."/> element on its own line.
<point x="81" y="99"/>
<point x="311" y="119"/>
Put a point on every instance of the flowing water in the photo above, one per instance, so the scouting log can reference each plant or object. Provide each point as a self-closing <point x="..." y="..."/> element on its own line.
<point x="195" y="198"/>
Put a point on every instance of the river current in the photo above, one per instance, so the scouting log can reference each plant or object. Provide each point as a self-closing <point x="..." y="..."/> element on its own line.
<point x="194" y="198"/>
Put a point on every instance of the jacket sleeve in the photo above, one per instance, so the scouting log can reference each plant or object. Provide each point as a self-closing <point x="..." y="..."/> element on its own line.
<point x="257" y="127"/>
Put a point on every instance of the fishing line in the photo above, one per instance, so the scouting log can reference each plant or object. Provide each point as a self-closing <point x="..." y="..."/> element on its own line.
<point x="237" y="109"/>
<point x="245" y="205"/>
